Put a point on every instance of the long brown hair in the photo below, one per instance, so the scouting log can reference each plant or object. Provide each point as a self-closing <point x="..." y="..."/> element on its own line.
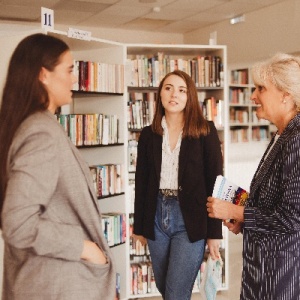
<point x="23" y="92"/>
<point x="194" y="122"/>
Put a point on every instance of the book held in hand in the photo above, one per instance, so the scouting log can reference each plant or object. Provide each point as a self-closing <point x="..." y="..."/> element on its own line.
<point x="226" y="190"/>
<point x="212" y="278"/>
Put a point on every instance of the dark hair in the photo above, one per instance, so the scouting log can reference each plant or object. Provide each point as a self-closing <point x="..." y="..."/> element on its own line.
<point x="23" y="92"/>
<point x="194" y="122"/>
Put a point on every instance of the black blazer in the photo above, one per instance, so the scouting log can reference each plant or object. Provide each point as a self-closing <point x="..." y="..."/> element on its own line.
<point x="200" y="161"/>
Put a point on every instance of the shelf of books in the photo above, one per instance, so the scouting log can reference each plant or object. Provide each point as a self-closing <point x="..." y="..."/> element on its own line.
<point x="94" y="122"/>
<point x="243" y="122"/>
<point x="247" y="133"/>
<point x="146" y="65"/>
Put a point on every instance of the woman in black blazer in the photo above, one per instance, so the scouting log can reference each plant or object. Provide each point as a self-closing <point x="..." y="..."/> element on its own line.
<point x="179" y="157"/>
<point x="271" y="218"/>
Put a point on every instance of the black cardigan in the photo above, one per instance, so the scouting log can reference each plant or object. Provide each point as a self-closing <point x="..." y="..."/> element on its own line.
<point x="200" y="161"/>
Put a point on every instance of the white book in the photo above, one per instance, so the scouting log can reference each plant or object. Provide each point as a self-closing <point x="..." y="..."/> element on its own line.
<point x="226" y="190"/>
<point x="105" y="130"/>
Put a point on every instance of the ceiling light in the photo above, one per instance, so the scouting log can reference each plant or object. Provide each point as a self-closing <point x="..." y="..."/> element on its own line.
<point x="237" y="19"/>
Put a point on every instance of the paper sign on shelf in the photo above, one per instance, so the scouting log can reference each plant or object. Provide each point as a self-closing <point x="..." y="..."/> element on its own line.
<point x="79" y="34"/>
<point x="47" y="18"/>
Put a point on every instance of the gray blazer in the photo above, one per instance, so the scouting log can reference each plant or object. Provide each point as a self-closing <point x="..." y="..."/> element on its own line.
<point x="271" y="254"/>
<point x="50" y="208"/>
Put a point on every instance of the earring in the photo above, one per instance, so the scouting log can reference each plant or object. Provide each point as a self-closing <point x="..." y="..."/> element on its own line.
<point x="284" y="101"/>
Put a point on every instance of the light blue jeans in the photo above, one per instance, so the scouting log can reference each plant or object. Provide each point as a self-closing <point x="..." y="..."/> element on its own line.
<point x="176" y="261"/>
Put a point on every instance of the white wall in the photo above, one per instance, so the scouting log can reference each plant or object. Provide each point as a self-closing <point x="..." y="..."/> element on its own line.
<point x="123" y="36"/>
<point x="264" y="32"/>
<point x="7" y="47"/>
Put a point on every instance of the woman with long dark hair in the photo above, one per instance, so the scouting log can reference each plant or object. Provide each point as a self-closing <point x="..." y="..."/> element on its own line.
<point x="179" y="158"/>
<point x="50" y="220"/>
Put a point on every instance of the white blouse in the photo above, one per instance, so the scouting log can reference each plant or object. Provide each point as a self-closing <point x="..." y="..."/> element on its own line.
<point x="170" y="160"/>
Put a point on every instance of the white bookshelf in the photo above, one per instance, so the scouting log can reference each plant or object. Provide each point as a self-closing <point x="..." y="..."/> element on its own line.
<point x="110" y="103"/>
<point x="248" y="136"/>
<point x="243" y="122"/>
<point x="100" y="50"/>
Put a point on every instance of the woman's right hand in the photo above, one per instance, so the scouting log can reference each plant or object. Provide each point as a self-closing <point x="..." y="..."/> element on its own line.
<point x="224" y="210"/>
<point x="139" y="238"/>
<point x="235" y="227"/>
<point x="92" y="253"/>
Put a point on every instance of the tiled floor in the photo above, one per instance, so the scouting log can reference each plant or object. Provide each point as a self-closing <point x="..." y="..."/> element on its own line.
<point x="235" y="269"/>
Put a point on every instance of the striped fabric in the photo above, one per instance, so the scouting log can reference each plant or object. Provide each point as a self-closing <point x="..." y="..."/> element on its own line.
<point x="271" y="247"/>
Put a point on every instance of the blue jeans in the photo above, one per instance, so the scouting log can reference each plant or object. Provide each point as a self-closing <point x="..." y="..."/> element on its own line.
<point x="175" y="260"/>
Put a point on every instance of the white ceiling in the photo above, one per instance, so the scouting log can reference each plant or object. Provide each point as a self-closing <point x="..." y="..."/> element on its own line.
<point x="175" y="16"/>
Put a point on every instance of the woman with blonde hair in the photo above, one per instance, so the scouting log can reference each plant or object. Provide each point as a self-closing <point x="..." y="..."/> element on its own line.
<point x="270" y="221"/>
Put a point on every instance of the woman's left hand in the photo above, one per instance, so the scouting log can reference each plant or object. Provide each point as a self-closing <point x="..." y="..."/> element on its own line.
<point x="214" y="248"/>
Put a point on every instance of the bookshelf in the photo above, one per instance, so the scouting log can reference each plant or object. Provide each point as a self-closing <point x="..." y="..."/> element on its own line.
<point x="248" y="136"/>
<point x="106" y="99"/>
<point x="243" y="122"/>
<point x="145" y="67"/>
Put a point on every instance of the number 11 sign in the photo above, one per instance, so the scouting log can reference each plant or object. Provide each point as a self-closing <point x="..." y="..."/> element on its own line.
<point x="47" y="18"/>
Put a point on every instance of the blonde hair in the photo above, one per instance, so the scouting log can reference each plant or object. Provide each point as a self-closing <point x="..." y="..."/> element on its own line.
<point x="282" y="70"/>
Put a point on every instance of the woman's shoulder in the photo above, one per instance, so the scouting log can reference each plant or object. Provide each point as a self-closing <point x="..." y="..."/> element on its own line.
<point x="40" y="117"/>
<point x="211" y="124"/>
<point x="41" y="121"/>
<point x="148" y="135"/>
<point x="147" y="130"/>
<point x="212" y="128"/>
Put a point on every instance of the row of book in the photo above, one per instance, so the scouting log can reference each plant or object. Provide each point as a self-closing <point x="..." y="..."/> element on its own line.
<point x="136" y="247"/>
<point x="131" y="193"/>
<point x="148" y="71"/>
<point x="108" y="179"/>
<point x="132" y="155"/>
<point x="239" y="76"/>
<point x="90" y="129"/>
<point x="260" y="134"/>
<point x="142" y="279"/>
<point x="213" y="110"/>
<point x="239" y="116"/>
<point x="143" y="282"/>
<point x="239" y="96"/>
<point x="98" y="77"/>
<point x="140" y="109"/>
<point x="238" y="135"/>
<point x="114" y="228"/>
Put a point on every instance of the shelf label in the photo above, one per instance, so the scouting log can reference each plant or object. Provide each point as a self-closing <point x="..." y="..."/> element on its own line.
<point x="79" y="34"/>
<point x="47" y="18"/>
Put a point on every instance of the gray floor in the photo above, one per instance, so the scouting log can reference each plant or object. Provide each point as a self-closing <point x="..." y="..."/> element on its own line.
<point x="235" y="269"/>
